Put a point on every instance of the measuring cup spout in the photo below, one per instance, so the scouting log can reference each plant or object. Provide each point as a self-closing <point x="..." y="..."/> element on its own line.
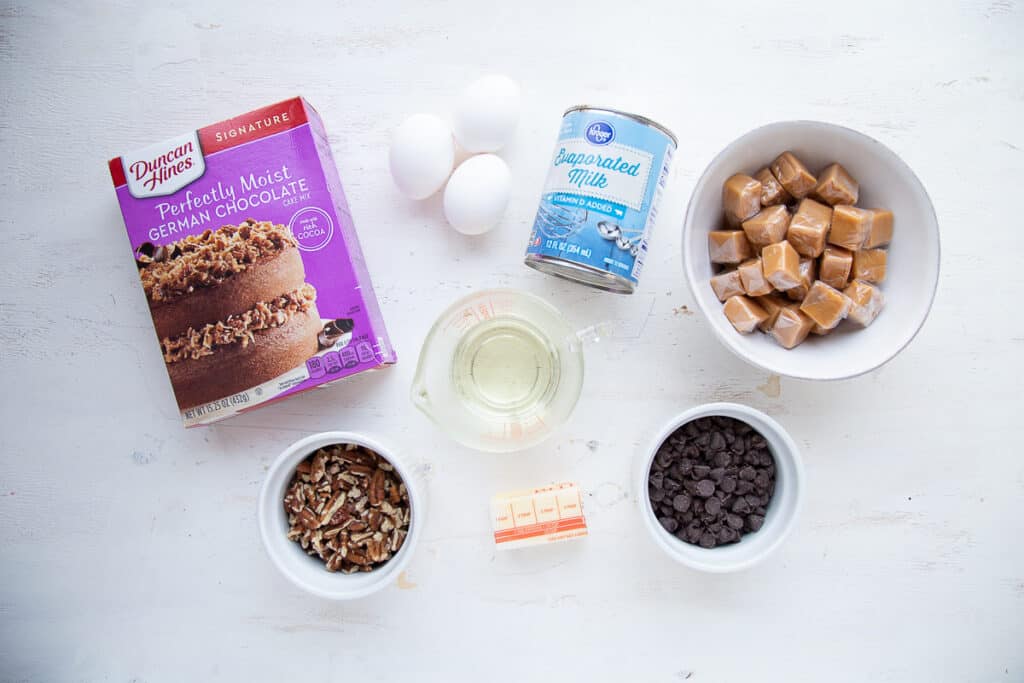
<point x="420" y="397"/>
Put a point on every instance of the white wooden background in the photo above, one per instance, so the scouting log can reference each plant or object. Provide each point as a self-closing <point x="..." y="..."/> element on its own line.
<point x="128" y="547"/>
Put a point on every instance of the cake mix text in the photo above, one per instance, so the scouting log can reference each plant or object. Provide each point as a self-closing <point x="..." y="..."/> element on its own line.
<point x="191" y="210"/>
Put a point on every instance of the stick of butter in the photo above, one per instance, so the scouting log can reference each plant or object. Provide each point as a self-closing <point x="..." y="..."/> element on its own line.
<point x="538" y="516"/>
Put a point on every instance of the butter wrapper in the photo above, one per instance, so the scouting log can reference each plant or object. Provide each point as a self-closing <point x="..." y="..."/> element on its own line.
<point x="537" y="516"/>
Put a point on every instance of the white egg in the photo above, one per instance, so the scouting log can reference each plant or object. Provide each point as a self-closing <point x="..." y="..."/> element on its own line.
<point x="477" y="194"/>
<point x="421" y="156"/>
<point x="486" y="114"/>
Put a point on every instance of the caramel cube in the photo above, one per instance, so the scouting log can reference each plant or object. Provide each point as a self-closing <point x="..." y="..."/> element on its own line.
<point x="772" y="304"/>
<point x="836" y="186"/>
<point x="836" y="263"/>
<point x="729" y="246"/>
<point x="820" y="331"/>
<point x="809" y="228"/>
<point x="850" y="227"/>
<point x="869" y="265"/>
<point x="744" y="314"/>
<point x="808" y="274"/>
<point x="781" y="265"/>
<point x="727" y="284"/>
<point x="825" y="305"/>
<point x="791" y="327"/>
<point x="866" y="302"/>
<point x="741" y="199"/>
<point x="793" y="175"/>
<point x="767" y="227"/>
<point x="752" y="277"/>
<point x="881" y="228"/>
<point x="772" y="191"/>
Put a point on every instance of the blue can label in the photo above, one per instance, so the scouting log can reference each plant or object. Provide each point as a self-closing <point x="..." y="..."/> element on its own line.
<point x="602" y="191"/>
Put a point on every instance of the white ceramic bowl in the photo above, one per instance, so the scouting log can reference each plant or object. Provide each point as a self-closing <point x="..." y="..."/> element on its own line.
<point x="308" y="572"/>
<point x="782" y="510"/>
<point x="913" y="262"/>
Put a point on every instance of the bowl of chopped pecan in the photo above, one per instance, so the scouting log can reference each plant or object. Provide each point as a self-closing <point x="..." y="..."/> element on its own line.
<point x="339" y="515"/>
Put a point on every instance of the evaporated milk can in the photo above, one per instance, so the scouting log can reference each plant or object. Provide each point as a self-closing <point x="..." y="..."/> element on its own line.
<point x="601" y="198"/>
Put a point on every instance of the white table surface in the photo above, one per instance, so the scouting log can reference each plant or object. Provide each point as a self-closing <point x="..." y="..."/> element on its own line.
<point x="129" y="545"/>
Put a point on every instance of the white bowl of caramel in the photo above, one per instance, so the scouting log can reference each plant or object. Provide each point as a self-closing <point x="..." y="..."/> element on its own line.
<point x="732" y="228"/>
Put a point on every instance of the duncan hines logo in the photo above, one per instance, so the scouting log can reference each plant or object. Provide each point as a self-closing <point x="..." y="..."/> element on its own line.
<point x="164" y="168"/>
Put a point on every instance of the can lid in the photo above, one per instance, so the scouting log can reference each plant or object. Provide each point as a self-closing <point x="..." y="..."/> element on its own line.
<point x="636" y="117"/>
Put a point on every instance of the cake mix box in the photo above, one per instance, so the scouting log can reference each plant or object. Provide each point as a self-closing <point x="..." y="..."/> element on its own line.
<point x="249" y="260"/>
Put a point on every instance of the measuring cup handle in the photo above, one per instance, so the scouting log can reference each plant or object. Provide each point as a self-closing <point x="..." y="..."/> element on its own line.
<point x="590" y="335"/>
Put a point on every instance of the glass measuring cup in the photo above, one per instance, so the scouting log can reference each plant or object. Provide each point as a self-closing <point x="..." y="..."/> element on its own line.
<point x="500" y="370"/>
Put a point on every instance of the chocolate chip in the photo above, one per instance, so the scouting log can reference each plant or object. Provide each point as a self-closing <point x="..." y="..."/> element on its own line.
<point x="669" y="523"/>
<point x="165" y="252"/>
<point x="144" y="255"/>
<point x="740" y="506"/>
<point x="712" y="506"/>
<point x="711" y="481"/>
<point x="717" y="442"/>
<point x="705" y="488"/>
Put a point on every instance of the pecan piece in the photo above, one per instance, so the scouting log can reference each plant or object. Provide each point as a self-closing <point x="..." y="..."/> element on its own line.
<point x="376" y="492"/>
<point x="317" y="470"/>
<point x="308" y="518"/>
<point x="374" y="519"/>
<point x="332" y="506"/>
<point x="361" y="470"/>
<point x="357" y="557"/>
<point x="333" y="563"/>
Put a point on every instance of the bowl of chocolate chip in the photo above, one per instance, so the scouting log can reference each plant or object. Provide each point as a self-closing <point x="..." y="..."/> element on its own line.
<point x="339" y="515"/>
<point x="720" y="487"/>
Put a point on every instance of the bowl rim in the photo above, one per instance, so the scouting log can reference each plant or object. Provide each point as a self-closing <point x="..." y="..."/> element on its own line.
<point x="695" y="556"/>
<point x="729" y="340"/>
<point x="269" y="512"/>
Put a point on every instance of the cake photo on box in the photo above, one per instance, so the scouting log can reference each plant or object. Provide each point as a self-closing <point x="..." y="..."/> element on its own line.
<point x="231" y="307"/>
